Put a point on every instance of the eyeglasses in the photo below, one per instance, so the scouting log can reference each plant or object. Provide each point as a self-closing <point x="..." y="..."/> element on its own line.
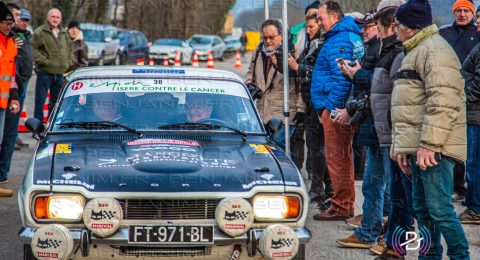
<point x="271" y="38"/>
<point x="6" y="23"/>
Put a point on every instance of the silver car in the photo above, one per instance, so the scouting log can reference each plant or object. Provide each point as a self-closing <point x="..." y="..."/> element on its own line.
<point x="167" y="48"/>
<point x="103" y="43"/>
<point x="203" y="44"/>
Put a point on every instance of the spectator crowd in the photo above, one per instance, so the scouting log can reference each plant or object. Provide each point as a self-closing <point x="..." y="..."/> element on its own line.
<point x="387" y="97"/>
<point x="52" y="49"/>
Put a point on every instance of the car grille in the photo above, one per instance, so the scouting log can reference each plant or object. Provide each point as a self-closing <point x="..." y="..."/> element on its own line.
<point x="168" y="209"/>
<point x="165" y="251"/>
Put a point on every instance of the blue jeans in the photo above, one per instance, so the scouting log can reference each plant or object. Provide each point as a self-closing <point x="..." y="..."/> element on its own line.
<point x="44" y="83"/>
<point x="10" y="134"/>
<point x="374" y="184"/>
<point x="432" y="203"/>
<point x="401" y="211"/>
<point x="472" y="198"/>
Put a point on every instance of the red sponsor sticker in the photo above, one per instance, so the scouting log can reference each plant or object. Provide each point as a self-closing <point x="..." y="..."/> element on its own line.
<point x="163" y="141"/>
<point x="235" y="226"/>
<point x="102" y="226"/>
<point x="77" y="85"/>
<point x="47" y="254"/>
<point x="281" y="254"/>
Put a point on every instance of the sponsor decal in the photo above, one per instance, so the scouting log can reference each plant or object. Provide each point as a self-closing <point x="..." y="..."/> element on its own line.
<point x="102" y="214"/>
<point x="231" y="216"/>
<point x="282" y="242"/>
<point x="281" y="254"/>
<point x="267" y="176"/>
<point x="237" y="251"/>
<point x="77" y="85"/>
<point x="102" y="226"/>
<point x="235" y="226"/>
<point x="265" y="182"/>
<point x="67" y="182"/>
<point x="63" y="149"/>
<point x="163" y="141"/>
<point x="260" y="148"/>
<point x="154" y="85"/>
<point x="48" y="243"/>
<point x="47" y="254"/>
<point x="158" y="71"/>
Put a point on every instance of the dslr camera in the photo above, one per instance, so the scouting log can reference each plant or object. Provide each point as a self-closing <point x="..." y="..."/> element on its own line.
<point x="254" y="90"/>
<point x="361" y="108"/>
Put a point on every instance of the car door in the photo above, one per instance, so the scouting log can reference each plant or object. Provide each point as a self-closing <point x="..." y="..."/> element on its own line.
<point x="216" y="48"/>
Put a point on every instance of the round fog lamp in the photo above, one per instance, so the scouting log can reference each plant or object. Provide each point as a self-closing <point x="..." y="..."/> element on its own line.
<point x="278" y="242"/>
<point x="52" y="242"/>
<point x="102" y="216"/>
<point x="234" y="216"/>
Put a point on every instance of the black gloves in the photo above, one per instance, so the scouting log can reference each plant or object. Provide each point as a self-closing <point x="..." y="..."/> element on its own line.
<point x="299" y="118"/>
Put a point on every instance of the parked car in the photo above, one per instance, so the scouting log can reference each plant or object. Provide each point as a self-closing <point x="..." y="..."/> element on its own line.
<point x="141" y="162"/>
<point x="203" y="44"/>
<point x="232" y="44"/>
<point x="133" y="46"/>
<point x="103" y="43"/>
<point x="167" y="48"/>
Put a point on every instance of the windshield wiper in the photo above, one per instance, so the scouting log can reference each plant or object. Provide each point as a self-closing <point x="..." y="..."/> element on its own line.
<point x="209" y="126"/>
<point x="103" y="124"/>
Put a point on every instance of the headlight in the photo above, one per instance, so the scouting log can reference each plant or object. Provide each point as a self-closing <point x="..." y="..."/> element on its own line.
<point x="272" y="207"/>
<point x="59" y="207"/>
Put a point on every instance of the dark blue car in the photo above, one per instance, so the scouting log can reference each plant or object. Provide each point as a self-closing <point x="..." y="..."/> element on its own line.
<point x="133" y="46"/>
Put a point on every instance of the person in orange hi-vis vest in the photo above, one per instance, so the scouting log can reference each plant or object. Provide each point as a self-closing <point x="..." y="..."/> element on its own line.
<point x="8" y="87"/>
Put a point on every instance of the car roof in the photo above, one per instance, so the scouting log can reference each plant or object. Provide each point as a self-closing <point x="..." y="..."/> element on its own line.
<point x="203" y="35"/>
<point x="168" y="72"/>
<point x="96" y="26"/>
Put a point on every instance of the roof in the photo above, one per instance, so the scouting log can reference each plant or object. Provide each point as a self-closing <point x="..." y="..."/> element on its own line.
<point x="96" y="26"/>
<point x="168" y="72"/>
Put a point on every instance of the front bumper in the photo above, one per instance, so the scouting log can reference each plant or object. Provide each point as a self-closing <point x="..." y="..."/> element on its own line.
<point x="121" y="236"/>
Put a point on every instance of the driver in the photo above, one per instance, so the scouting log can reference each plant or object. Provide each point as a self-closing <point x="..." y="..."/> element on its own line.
<point x="199" y="107"/>
<point x="107" y="107"/>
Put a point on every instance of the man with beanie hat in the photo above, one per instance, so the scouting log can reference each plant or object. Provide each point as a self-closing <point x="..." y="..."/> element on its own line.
<point x="8" y="87"/>
<point x="462" y="35"/>
<point x="429" y="125"/>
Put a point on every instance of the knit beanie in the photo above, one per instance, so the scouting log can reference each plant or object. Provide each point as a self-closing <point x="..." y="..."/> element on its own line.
<point x="5" y="14"/>
<point x="463" y="3"/>
<point x="415" y="14"/>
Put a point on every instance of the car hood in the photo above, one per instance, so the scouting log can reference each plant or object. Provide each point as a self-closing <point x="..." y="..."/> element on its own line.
<point x="163" y="165"/>
<point x="201" y="46"/>
<point x="96" y="45"/>
<point x="164" y="48"/>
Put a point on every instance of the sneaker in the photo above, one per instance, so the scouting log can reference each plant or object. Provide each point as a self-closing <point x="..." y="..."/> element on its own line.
<point x="470" y="217"/>
<point x="457" y="197"/>
<point x="21" y="144"/>
<point x="354" y="242"/>
<point x="379" y="247"/>
<point x="355" y="221"/>
<point x="4" y="180"/>
<point x="6" y="192"/>
<point x="388" y="254"/>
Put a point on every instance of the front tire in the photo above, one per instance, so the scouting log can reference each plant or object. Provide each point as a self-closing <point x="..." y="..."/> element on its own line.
<point x="222" y="57"/>
<point x="27" y="252"/>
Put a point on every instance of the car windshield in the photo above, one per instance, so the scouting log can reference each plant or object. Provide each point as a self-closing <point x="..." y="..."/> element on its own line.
<point x="157" y="105"/>
<point x="93" y="35"/>
<point x="200" y="40"/>
<point x="170" y="42"/>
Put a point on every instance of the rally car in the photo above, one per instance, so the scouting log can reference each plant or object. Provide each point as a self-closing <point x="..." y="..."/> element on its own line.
<point x="139" y="161"/>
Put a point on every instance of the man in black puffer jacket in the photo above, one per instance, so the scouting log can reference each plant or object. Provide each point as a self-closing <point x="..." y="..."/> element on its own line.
<point x="462" y="35"/>
<point x="471" y="72"/>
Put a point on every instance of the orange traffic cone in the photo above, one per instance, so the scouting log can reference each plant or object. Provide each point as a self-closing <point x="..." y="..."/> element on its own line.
<point x="176" y="61"/>
<point x="210" y="64"/>
<point x="45" y="108"/>
<point x="140" y="61"/>
<point x="151" y="62"/>
<point x="21" y="126"/>
<point x="238" y="61"/>
<point x="165" y="62"/>
<point x="195" y="60"/>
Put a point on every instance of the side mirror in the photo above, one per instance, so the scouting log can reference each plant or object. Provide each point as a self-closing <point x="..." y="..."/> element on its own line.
<point x="273" y="125"/>
<point x="35" y="125"/>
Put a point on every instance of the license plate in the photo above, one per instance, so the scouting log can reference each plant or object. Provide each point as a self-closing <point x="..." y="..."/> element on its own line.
<point x="171" y="234"/>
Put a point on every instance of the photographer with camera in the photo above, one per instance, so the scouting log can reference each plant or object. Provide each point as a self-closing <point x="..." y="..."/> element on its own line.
<point x="321" y="187"/>
<point x="265" y="82"/>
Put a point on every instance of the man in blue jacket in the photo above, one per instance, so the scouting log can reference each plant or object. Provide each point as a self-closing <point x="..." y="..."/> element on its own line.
<point x="330" y="90"/>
